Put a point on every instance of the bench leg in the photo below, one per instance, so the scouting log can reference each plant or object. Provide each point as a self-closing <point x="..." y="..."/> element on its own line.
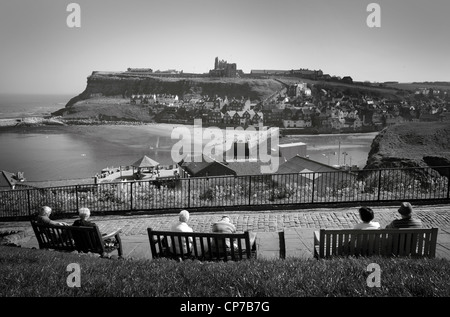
<point x="119" y="242"/>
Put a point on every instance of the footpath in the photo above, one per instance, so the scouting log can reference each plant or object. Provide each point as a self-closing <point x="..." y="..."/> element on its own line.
<point x="298" y="226"/>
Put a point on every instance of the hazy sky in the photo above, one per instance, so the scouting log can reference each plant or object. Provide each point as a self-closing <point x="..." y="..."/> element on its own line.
<point x="41" y="54"/>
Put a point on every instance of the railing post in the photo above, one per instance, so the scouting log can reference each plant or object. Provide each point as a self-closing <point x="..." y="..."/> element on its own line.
<point x="379" y="184"/>
<point x="76" y="196"/>
<point x="131" y="195"/>
<point x="29" y="202"/>
<point x="312" y="192"/>
<point x="249" y="190"/>
<point x="189" y="193"/>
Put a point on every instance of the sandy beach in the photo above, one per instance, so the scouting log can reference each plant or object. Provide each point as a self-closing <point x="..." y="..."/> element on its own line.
<point x="30" y="121"/>
<point x="8" y="122"/>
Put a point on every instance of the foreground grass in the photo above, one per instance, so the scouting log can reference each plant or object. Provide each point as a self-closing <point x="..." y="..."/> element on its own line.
<point x="27" y="272"/>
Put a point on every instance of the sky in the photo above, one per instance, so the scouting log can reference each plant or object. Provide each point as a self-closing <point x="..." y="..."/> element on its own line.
<point x="40" y="53"/>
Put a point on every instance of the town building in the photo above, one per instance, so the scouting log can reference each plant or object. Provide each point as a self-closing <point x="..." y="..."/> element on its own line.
<point x="302" y="171"/>
<point x="290" y="150"/>
<point x="9" y="181"/>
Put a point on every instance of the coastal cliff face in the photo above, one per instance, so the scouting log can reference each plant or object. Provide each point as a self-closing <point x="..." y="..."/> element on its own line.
<point x="124" y="85"/>
<point x="414" y="144"/>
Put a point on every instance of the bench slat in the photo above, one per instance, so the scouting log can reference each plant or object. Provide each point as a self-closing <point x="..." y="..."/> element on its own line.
<point x="371" y="239"/>
<point x="420" y="247"/>
<point x="322" y="245"/>
<point x="401" y="245"/>
<point x="194" y="245"/>
<point x="407" y="248"/>
<point x="433" y="242"/>
<point x="340" y="239"/>
<point x="414" y="239"/>
<point x="426" y="250"/>
<point x="334" y="244"/>
<point x="352" y="244"/>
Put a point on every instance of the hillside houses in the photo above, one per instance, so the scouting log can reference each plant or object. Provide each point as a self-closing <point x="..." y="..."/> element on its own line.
<point x="298" y="106"/>
<point x="242" y="118"/>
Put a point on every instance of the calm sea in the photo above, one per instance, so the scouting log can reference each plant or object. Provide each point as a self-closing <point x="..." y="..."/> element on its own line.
<point x="20" y="106"/>
<point x="54" y="153"/>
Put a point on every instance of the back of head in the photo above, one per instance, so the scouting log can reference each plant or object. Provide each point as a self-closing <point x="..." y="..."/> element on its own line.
<point x="183" y="216"/>
<point x="366" y="214"/>
<point x="224" y="225"/>
<point x="45" y="211"/>
<point x="405" y="209"/>
<point x="84" y="213"/>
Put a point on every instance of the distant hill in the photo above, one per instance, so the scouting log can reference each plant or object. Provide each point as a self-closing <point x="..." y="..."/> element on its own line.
<point x="438" y="85"/>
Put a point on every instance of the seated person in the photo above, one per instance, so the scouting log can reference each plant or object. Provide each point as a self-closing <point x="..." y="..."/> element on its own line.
<point x="367" y="216"/>
<point x="44" y="217"/>
<point x="84" y="214"/>
<point x="181" y="226"/>
<point x="407" y="221"/>
<point x="223" y="226"/>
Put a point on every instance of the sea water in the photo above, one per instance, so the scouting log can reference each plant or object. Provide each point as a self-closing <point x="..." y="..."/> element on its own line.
<point x="23" y="106"/>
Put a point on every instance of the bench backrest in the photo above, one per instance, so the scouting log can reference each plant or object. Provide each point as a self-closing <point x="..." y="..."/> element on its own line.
<point x="199" y="245"/>
<point x="383" y="242"/>
<point x="68" y="238"/>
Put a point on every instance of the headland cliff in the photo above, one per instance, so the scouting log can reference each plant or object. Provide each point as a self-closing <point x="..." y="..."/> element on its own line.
<point x="107" y="94"/>
<point x="413" y="144"/>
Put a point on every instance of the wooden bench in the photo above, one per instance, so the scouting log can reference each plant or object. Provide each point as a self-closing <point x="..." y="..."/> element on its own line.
<point x="382" y="242"/>
<point x="202" y="246"/>
<point x="81" y="239"/>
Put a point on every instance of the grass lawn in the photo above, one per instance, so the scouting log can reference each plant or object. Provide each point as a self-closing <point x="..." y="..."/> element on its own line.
<point x="36" y="273"/>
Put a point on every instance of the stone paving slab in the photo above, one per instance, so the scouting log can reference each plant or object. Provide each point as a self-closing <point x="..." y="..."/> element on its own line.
<point x="299" y="242"/>
<point x="443" y="243"/>
<point x="268" y="245"/>
<point x="136" y="247"/>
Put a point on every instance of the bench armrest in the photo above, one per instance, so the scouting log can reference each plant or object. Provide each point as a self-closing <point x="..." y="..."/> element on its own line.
<point x="316" y="238"/>
<point x="112" y="234"/>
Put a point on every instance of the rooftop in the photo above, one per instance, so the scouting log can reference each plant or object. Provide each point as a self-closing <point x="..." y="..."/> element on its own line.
<point x="298" y="164"/>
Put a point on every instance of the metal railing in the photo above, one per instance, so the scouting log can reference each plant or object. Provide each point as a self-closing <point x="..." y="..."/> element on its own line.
<point x="381" y="185"/>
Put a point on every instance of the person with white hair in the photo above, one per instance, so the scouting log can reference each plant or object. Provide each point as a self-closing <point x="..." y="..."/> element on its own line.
<point x="44" y="217"/>
<point x="181" y="226"/>
<point x="84" y="214"/>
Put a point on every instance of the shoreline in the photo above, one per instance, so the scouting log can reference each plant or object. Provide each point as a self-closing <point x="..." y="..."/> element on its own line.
<point x="35" y="123"/>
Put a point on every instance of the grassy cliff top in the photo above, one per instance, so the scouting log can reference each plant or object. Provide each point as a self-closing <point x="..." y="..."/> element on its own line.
<point x="411" y="143"/>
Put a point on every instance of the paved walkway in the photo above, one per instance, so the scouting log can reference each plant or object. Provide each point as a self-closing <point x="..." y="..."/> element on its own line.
<point x="298" y="226"/>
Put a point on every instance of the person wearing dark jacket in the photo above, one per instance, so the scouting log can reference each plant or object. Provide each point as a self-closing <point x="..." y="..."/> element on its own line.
<point x="407" y="221"/>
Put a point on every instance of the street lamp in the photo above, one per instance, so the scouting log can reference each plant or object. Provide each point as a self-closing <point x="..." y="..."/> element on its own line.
<point x="345" y="155"/>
